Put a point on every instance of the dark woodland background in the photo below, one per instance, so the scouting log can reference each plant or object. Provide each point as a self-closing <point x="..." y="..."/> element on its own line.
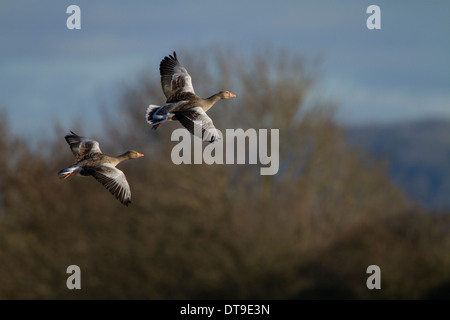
<point x="221" y="231"/>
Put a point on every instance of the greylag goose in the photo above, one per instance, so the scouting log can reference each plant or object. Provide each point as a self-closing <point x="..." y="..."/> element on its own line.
<point x="182" y="102"/>
<point x="90" y="161"/>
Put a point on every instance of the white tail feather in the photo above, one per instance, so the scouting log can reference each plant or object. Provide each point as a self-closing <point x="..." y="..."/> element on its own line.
<point x="67" y="172"/>
<point x="150" y="108"/>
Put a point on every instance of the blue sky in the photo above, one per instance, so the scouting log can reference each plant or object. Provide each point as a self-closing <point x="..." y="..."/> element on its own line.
<point x="49" y="74"/>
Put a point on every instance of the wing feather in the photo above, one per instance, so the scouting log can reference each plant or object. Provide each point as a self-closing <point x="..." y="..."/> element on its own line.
<point x="112" y="179"/>
<point x="197" y="117"/>
<point x="82" y="146"/>
<point x="174" y="77"/>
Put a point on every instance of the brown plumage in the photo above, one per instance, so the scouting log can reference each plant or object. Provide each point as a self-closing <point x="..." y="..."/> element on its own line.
<point x="90" y="161"/>
<point x="182" y="102"/>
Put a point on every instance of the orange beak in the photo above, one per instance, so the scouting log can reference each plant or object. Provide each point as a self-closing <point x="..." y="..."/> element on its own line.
<point x="232" y="95"/>
<point x="139" y="154"/>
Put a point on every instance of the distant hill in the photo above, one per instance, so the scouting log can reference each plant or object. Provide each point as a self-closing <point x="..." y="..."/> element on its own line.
<point x="418" y="154"/>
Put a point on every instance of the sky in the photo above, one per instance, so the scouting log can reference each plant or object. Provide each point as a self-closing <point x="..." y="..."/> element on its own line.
<point x="50" y="74"/>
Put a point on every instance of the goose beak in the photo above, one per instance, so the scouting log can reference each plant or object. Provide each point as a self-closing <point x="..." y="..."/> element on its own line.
<point x="232" y="95"/>
<point x="139" y="154"/>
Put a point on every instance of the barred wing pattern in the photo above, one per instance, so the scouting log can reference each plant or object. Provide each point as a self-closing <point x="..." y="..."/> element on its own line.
<point x="112" y="179"/>
<point x="197" y="117"/>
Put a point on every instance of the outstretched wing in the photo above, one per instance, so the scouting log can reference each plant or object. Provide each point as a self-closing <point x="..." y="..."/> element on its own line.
<point x="197" y="122"/>
<point x="82" y="146"/>
<point x="174" y="77"/>
<point x="112" y="179"/>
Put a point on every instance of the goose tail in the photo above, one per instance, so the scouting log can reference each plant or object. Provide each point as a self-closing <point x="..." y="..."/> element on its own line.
<point x="156" y="115"/>
<point x="68" y="172"/>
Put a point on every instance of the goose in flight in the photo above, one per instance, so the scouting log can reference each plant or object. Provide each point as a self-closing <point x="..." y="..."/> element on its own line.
<point x="182" y="103"/>
<point x="90" y="161"/>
